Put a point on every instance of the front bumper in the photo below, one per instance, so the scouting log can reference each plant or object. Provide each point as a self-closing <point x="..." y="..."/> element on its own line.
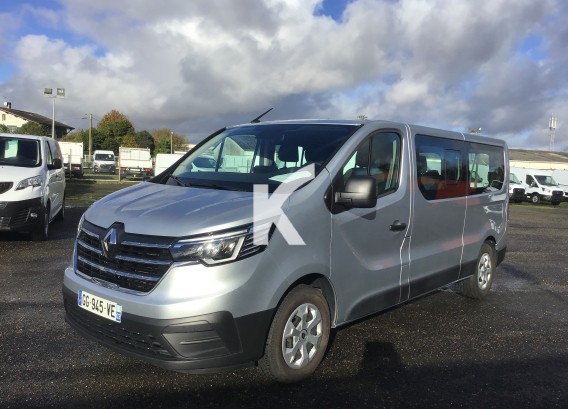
<point x="15" y="216"/>
<point x="517" y="194"/>
<point x="205" y="343"/>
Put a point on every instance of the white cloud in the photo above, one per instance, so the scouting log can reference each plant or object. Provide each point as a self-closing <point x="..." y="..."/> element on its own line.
<point x="193" y="65"/>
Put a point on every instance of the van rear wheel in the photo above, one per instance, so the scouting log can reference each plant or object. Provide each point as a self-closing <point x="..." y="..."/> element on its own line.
<point x="298" y="336"/>
<point x="478" y="285"/>
<point x="535" y="198"/>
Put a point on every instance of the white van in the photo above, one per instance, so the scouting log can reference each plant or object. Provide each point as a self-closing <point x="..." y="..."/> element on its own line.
<point x="299" y="227"/>
<point x="540" y="186"/>
<point x="104" y="162"/>
<point x="516" y="189"/>
<point x="32" y="184"/>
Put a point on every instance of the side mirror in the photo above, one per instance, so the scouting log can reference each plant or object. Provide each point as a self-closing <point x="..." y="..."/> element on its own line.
<point x="57" y="164"/>
<point x="360" y="192"/>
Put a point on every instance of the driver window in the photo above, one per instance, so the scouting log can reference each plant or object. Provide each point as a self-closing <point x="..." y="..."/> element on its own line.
<point x="379" y="157"/>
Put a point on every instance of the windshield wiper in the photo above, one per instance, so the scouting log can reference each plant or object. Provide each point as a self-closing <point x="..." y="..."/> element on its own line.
<point x="215" y="186"/>
<point x="178" y="180"/>
<point x="205" y="185"/>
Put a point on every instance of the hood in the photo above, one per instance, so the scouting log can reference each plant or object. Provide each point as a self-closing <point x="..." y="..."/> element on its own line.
<point x="17" y="173"/>
<point x="174" y="211"/>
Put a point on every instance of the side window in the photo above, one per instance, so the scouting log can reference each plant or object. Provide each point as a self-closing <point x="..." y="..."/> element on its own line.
<point x="55" y="150"/>
<point x="486" y="168"/>
<point x="379" y="157"/>
<point x="48" y="153"/>
<point x="441" y="171"/>
<point x="529" y="180"/>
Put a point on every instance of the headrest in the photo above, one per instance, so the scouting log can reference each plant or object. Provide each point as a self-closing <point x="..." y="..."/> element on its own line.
<point x="318" y="153"/>
<point x="288" y="152"/>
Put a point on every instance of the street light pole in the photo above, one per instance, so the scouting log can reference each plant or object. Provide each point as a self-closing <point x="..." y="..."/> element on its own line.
<point x="171" y="141"/>
<point x="48" y="92"/>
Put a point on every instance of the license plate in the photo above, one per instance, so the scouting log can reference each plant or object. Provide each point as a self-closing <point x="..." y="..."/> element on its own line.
<point x="99" y="306"/>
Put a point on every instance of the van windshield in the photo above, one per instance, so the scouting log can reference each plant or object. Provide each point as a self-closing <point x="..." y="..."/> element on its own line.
<point x="260" y="154"/>
<point x="513" y="179"/>
<point x="19" y="152"/>
<point x="104" y="156"/>
<point x="546" y="180"/>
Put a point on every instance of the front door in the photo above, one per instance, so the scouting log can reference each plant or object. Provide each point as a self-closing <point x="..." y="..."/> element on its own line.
<point x="369" y="247"/>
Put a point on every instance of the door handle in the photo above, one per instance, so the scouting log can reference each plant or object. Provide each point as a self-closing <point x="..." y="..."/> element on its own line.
<point x="397" y="226"/>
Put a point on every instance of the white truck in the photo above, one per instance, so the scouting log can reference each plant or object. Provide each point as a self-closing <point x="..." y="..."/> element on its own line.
<point x="540" y="186"/>
<point x="134" y="163"/>
<point x="165" y="160"/>
<point x="72" y="153"/>
<point x="104" y="162"/>
<point x="516" y="189"/>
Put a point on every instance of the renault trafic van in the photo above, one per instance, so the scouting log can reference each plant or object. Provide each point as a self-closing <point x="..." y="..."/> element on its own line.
<point x="299" y="228"/>
<point x="32" y="184"/>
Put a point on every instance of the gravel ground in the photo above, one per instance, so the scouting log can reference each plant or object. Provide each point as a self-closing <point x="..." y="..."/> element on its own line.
<point x="444" y="350"/>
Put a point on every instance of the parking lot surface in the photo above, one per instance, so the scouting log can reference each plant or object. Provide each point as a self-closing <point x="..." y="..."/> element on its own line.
<point x="446" y="351"/>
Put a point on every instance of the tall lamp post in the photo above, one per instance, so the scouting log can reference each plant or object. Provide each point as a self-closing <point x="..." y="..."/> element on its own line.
<point x="60" y="93"/>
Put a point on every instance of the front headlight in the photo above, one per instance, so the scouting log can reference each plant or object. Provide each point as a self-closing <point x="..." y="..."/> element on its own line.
<point x="80" y="225"/>
<point x="223" y="247"/>
<point x="33" y="181"/>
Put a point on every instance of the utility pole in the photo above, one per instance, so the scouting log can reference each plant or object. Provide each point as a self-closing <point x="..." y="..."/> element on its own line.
<point x="552" y="128"/>
<point x="90" y="135"/>
<point x="171" y="141"/>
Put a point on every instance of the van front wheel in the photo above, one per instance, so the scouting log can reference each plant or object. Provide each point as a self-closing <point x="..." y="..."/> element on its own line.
<point x="479" y="284"/>
<point x="42" y="230"/>
<point x="298" y="336"/>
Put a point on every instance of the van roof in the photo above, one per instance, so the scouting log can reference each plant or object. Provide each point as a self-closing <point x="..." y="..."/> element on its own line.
<point x="23" y="136"/>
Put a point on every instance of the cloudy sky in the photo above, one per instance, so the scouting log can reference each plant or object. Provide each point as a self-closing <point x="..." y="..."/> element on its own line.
<point x="194" y="66"/>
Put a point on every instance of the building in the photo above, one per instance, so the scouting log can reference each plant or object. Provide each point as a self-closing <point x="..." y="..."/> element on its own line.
<point x="556" y="163"/>
<point x="14" y="118"/>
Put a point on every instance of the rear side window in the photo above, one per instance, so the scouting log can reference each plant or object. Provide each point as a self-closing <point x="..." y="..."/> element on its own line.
<point x="448" y="168"/>
<point x="486" y="168"/>
<point x="441" y="167"/>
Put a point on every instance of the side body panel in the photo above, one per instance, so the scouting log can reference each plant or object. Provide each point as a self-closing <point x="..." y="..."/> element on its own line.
<point x="369" y="260"/>
<point x="438" y="222"/>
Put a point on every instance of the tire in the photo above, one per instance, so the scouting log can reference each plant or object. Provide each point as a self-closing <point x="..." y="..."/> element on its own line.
<point x="478" y="285"/>
<point x="41" y="233"/>
<point x="535" y="198"/>
<point x="61" y="215"/>
<point x="298" y="336"/>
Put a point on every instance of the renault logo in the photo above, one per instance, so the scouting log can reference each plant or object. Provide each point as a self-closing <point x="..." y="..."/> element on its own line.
<point x="109" y="242"/>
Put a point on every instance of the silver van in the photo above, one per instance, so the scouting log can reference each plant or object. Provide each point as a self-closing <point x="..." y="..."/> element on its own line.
<point x="300" y="227"/>
<point x="32" y="184"/>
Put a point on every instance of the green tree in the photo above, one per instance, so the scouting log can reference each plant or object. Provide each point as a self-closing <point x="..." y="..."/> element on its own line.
<point x="129" y="141"/>
<point x="78" y="135"/>
<point x="32" y="128"/>
<point x="144" y="139"/>
<point x="162" y="138"/>
<point x="4" y="128"/>
<point x="112" y="128"/>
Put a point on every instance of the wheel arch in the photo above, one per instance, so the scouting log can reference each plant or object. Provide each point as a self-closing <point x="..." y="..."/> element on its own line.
<point x="316" y="280"/>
